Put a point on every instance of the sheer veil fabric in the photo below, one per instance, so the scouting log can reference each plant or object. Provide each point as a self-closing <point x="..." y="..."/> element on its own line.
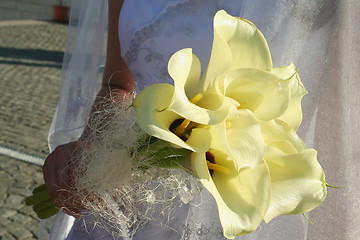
<point x="319" y="36"/>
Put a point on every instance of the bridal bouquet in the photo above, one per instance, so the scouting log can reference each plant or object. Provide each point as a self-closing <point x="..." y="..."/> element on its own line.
<point x="232" y="128"/>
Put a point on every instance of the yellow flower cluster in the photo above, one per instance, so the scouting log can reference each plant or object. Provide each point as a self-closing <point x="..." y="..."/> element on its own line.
<point x="238" y="121"/>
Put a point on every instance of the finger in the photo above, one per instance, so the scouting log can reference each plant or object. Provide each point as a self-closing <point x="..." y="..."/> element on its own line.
<point x="56" y="171"/>
<point x="50" y="175"/>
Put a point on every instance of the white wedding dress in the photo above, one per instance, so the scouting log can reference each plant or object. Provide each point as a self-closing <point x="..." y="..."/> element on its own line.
<point x="319" y="36"/>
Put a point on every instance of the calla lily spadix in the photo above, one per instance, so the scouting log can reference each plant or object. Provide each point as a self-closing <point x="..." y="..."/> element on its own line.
<point x="239" y="121"/>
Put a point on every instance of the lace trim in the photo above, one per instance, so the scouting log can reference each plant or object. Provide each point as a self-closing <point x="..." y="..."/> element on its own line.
<point x="190" y="7"/>
<point x="197" y="230"/>
<point x="165" y="25"/>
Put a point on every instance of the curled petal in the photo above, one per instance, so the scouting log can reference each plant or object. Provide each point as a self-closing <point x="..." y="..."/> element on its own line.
<point x="263" y="93"/>
<point x="237" y="44"/>
<point x="297" y="179"/>
<point x="297" y="182"/>
<point x="219" y="62"/>
<point x="242" y="196"/>
<point x="247" y="44"/>
<point x="184" y="67"/>
<point x="209" y="113"/>
<point x="282" y="133"/>
<point x="153" y="117"/>
<point x="240" y="137"/>
<point x="293" y="114"/>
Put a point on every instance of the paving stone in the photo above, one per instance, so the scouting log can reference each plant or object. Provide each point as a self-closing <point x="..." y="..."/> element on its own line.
<point x="22" y="183"/>
<point x="14" y="201"/>
<point x="34" y="229"/>
<point x="3" y="230"/>
<point x="26" y="210"/>
<point x="4" y="175"/>
<point x="3" y="196"/>
<point x="20" y="218"/>
<point x="24" y="192"/>
<point x="18" y="231"/>
<point x="7" y="212"/>
<point x="4" y="221"/>
<point x="30" y="66"/>
<point x="7" y="236"/>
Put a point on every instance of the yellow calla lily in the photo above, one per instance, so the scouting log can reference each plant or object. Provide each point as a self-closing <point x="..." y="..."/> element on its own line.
<point x="237" y="44"/>
<point x="297" y="179"/>
<point x="157" y="106"/>
<point x="150" y="109"/>
<point x="241" y="196"/>
<point x="234" y="172"/>
<point x="262" y="92"/>
<point x="249" y="77"/>
<point x="191" y="99"/>
<point x="293" y="114"/>
<point x="269" y="95"/>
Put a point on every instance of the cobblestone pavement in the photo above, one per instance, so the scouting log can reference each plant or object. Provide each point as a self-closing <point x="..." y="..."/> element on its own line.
<point x="30" y="62"/>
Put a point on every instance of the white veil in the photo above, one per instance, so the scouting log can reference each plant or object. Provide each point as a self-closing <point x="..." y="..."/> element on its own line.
<point x="82" y="65"/>
<point x="320" y="37"/>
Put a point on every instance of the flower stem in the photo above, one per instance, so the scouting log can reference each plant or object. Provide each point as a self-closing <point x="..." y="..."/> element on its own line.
<point x="160" y="154"/>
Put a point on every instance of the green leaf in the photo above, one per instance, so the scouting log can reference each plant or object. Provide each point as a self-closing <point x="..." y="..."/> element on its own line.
<point x="48" y="212"/>
<point x="39" y="196"/>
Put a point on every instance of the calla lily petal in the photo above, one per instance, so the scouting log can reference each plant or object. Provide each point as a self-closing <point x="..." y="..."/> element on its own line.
<point x="150" y="105"/>
<point x="297" y="182"/>
<point x="220" y="60"/>
<point x="266" y="95"/>
<point x="242" y="196"/>
<point x="293" y="114"/>
<point x="240" y="137"/>
<point x="279" y="131"/>
<point x="297" y="179"/>
<point x="185" y="68"/>
<point x="151" y="114"/>
<point x="247" y="44"/>
<point x="200" y="114"/>
<point x="199" y="139"/>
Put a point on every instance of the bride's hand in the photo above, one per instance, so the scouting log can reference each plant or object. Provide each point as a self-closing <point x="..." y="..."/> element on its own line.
<point x="58" y="180"/>
<point x="118" y="84"/>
